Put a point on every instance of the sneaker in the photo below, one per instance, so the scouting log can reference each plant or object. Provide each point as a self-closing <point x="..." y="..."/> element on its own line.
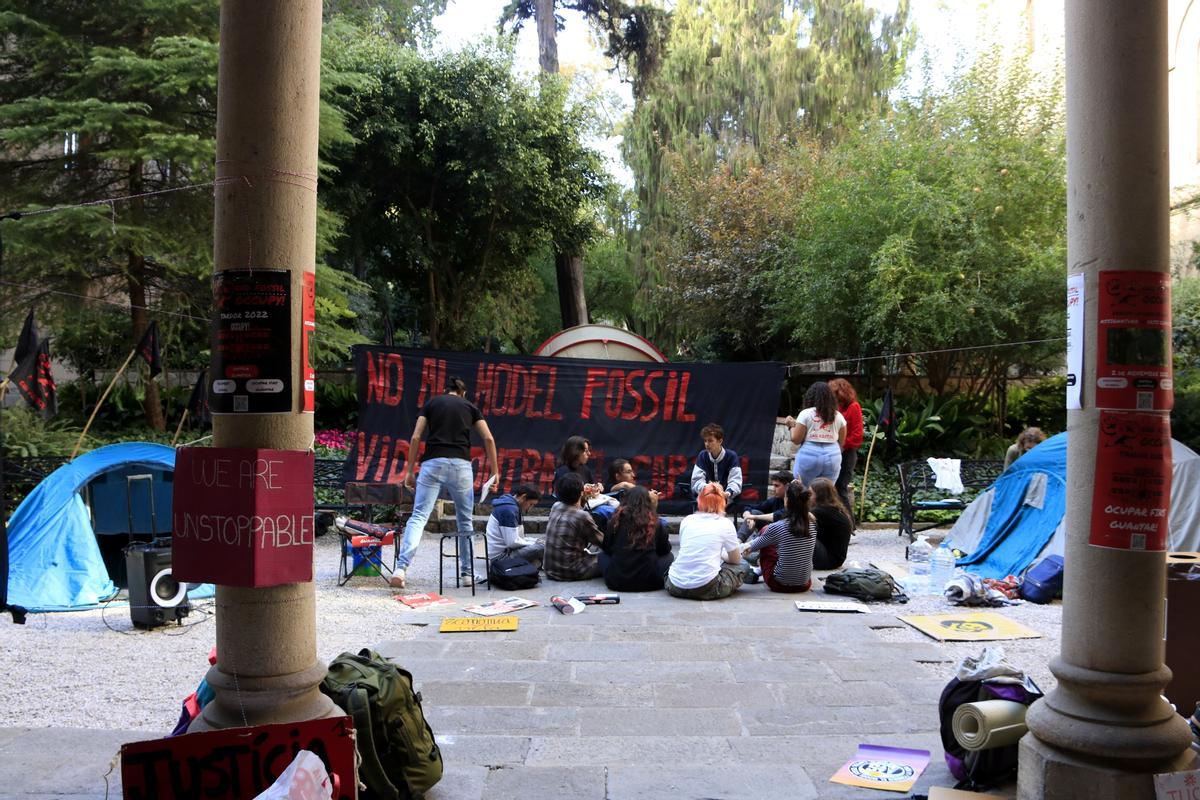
<point x="467" y="579"/>
<point x="398" y="580"/>
<point x="753" y="575"/>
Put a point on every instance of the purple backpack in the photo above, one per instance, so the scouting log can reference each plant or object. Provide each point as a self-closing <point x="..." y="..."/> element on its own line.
<point x="977" y="770"/>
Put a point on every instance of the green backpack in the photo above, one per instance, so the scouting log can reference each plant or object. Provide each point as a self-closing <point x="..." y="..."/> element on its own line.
<point x="398" y="757"/>
<point x="865" y="583"/>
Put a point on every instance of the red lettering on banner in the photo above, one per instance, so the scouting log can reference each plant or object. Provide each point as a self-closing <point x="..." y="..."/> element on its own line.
<point x="531" y="464"/>
<point x="658" y="473"/>
<point x="548" y="411"/>
<point x="532" y="392"/>
<point x="433" y="380"/>
<point x="515" y="394"/>
<point x="364" y="449"/>
<point x="669" y="400"/>
<point x="749" y="494"/>
<point x="652" y="395"/>
<point x="678" y="468"/>
<point x="381" y="386"/>
<point x="681" y="413"/>
<point x="595" y="380"/>
<point x="637" y="396"/>
<point x="499" y="408"/>
<point x="546" y="474"/>
<point x="616" y="393"/>
<point x="397" y="463"/>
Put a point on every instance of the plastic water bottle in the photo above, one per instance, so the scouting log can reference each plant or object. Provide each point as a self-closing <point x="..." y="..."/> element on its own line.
<point x="920" y="555"/>
<point x="941" y="571"/>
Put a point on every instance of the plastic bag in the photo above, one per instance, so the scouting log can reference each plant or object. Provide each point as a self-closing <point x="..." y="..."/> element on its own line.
<point x="304" y="779"/>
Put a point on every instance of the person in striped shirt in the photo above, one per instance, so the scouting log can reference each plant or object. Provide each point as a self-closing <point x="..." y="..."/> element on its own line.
<point x="785" y="547"/>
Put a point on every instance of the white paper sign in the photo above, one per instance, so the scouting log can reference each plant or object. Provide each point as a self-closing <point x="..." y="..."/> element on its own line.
<point x="1178" y="785"/>
<point x="1074" y="341"/>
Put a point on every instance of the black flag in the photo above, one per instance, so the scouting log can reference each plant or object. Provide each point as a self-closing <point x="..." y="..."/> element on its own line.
<point x="35" y="383"/>
<point x="148" y="349"/>
<point x="197" y="405"/>
<point x="388" y="333"/>
<point x="28" y="340"/>
<point x="887" y="417"/>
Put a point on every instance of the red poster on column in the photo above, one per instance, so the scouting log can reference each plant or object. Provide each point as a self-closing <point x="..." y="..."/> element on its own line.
<point x="1132" y="488"/>
<point x="1133" y="348"/>
<point x="308" y="375"/>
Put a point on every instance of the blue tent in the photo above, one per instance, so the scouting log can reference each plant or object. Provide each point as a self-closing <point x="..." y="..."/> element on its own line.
<point x="1021" y="517"/>
<point x="54" y="560"/>
<point x="1029" y="497"/>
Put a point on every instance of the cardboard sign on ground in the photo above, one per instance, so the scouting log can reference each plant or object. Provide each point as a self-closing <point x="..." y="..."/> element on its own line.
<point x="472" y="624"/>
<point x="940" y="793"/>
<point x="1177" y="785"/>
<point x="973" y="626"/>
<point x="893" y="769"/>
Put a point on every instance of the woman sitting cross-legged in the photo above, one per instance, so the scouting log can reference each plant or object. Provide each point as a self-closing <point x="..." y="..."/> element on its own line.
<point x="636" y="550"/>
<point x="785" y="547"/>
<point x="833" y="525"/>
<point x="707" y="567"/>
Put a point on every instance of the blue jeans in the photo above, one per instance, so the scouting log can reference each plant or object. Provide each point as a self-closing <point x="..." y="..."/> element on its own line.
<point x="817" y="461"/>
<point x="455" y="475"/>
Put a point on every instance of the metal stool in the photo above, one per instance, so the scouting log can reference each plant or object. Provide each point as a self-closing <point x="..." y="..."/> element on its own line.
<point x="443" y="555"/>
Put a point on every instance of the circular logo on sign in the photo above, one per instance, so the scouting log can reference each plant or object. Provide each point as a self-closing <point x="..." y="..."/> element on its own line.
<point x="966" y="625"/>
<point x="882" y="771"/>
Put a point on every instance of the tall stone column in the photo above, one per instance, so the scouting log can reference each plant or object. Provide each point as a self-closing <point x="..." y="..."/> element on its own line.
<point x="266" y="205"/>
<point x="1105" y="728"/>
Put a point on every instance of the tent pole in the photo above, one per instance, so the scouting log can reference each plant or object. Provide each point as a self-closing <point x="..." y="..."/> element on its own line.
<point x="100" y="402"/>
<point x="862" y="497"/>
<point x="179" y="427"/>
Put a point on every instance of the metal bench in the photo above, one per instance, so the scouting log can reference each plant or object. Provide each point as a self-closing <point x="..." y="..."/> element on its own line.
<point x="918" y="490"/>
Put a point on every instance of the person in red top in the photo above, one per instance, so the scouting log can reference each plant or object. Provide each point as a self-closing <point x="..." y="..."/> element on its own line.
<point x="847" y="400"/>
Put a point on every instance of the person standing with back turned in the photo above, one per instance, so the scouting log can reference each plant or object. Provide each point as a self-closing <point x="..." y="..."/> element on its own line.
<point x="445" y="423"/>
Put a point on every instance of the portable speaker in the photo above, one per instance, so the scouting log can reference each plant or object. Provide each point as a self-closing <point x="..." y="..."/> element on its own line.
<point x="155" y="597"/>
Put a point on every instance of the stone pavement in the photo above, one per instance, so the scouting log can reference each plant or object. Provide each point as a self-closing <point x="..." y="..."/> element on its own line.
<point x="653" y="698"/>
<point x="659" y="697"/>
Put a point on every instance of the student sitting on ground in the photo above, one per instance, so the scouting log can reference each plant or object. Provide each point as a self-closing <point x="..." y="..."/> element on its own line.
<point x="715" y="464"/>
<point x="707" y="567"/>
<point x="636" y="550"/>
<point x="786" y="547"/>
<point x="506" y="526"/>
<point x="833" y="525"/>
<point x="573" y="461"/>
<point x="769" y="511"/>
<point x="621" y="476"/>
<point x="569" y="531"/>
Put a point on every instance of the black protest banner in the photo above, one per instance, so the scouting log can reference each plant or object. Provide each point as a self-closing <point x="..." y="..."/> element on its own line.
<point x="650" y="414"/>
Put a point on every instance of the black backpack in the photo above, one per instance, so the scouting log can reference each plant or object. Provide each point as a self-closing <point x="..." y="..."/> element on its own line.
<point x="511" y="573"/>
<point x="865" y="583"/>
<point x="398" y="757"/>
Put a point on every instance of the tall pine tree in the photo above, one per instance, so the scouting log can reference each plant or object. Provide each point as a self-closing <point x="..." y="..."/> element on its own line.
<point x="103" y="100"/>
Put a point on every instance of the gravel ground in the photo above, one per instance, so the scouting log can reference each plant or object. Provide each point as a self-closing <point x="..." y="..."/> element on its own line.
<point x="92" y="669"/>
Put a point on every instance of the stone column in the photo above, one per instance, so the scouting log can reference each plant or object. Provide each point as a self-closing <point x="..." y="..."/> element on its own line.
<point x="1105" y="728"/>
<point x="266" y="204"/>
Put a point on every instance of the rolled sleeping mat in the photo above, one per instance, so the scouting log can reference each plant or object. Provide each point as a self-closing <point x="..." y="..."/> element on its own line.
<point x="988" y="724"/>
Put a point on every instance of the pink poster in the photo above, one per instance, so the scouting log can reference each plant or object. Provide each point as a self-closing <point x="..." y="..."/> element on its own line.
<point x="893" y="769"/>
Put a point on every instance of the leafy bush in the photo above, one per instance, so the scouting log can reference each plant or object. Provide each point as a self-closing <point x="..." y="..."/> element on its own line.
<point x="1042" y="405"/>
<point x="934" y="426"/>
<point x="27" y="436"/>
<point x="336" y="405"/>
<point x="1185" y="417"/>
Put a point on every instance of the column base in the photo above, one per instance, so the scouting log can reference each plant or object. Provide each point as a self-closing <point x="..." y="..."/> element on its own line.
<point x="246" y="701"/>
<point x="1047" y="773"/>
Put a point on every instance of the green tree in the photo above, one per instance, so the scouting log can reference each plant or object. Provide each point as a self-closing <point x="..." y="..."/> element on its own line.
<point x="461" y="172"/>
<point x="739" y="77"/>
<point x="943" y="226"/>
<point x="110" y="100"/>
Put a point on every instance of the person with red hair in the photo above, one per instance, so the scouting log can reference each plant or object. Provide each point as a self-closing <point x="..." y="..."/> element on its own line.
<point x="847" y="400"/>
<point x="708" y="566"/>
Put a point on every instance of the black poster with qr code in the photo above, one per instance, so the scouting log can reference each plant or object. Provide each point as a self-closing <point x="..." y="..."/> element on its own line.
<point x="251" y="342"/>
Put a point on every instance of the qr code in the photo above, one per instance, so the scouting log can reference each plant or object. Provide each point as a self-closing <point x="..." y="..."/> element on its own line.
<point x="241" y="402"/>
<point x="1145" y="401"/>
<point x="1137" y="541"/>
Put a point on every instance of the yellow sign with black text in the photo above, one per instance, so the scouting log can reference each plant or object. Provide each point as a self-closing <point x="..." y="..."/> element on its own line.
<point x="471" y="624"/>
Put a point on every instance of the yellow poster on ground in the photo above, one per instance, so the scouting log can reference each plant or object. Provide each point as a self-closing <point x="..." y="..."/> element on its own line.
<point x="970" y="626"/>
<point x="472" y="624"/>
